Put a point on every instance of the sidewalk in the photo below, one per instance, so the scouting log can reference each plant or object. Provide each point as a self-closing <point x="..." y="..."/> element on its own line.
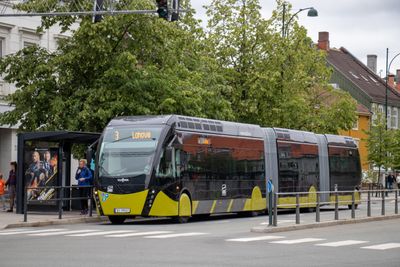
<point x="13" y="220"/>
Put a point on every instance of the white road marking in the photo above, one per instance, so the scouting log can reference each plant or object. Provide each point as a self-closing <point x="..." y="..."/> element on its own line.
<point x="102" y="233"/>
<point x="384" y="246"/>
<point x="63" y="232"/>
<point x="175" y="235"/>
<point x="31" y="232"/>
<point x="282" y="221"/>
<point x="297" y="241"/>
<point x="140" y="234"/>
<point x="257" y="238"/>
<point x="342" y="243"/>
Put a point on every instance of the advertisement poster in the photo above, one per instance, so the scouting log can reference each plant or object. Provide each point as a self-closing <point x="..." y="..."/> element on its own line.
<point x="41" y="171"/>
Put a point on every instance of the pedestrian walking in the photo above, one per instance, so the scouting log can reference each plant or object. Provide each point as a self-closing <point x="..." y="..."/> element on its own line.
<point x="12" y="183"/>
<point x="2" y="191"/>
<point x="398" y="182"/>
<point x="390" y="179"/>
<point x="84" y="178"/>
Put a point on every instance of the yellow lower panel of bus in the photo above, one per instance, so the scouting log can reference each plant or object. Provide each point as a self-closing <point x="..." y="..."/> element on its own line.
<point x="306" y="201"/>
<point x="346" y="199"/>
<point x="257" y="202"/>
<point x="133" y="202"/>
<point x="163" y="205"/>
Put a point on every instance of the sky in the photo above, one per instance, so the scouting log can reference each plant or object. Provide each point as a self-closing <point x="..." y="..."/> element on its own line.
<point x="361" y="26"/>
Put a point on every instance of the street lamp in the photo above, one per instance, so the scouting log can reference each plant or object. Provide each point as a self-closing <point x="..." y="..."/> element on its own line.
<point x="388" y="64"/>
<point x="312" y="12"/>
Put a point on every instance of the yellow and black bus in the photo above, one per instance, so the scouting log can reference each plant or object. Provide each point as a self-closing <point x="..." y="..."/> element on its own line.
<point x="180" y="166"/>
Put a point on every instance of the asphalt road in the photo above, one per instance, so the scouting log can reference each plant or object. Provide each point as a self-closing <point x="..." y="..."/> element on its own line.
<point x="215" y="241"/>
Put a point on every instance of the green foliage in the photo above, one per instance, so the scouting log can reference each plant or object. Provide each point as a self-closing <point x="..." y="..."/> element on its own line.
<point x="276" y="81"/>
<point x="239" y="68"/>
<point x="380" y="143"/>
<point x="125" y="65"/>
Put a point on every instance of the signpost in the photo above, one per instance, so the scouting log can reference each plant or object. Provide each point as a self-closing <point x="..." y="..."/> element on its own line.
<point x="270" y="190"/>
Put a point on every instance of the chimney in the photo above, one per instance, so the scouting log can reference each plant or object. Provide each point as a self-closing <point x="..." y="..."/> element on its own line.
<point x="323" y="41"/>
<point x="391" y="80"/>
<point x="398" y="80"/>
<point x="371" y="62"/>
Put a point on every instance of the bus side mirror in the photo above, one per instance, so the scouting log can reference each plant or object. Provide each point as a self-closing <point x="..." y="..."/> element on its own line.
<point x="168" y="154"/>
<point x="89" y="154"/>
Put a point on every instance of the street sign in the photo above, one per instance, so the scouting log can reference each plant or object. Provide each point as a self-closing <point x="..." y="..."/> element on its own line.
<point x="270" y="186"/>
<point x="270" y="189"/>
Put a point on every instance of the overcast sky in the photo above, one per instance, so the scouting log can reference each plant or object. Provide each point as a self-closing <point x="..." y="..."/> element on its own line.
<point x="362" y="26"/>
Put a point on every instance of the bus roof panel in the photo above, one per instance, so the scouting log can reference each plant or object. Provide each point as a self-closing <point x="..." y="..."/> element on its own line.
<point x="295" y="135"/>
<point x="193" y="124"/>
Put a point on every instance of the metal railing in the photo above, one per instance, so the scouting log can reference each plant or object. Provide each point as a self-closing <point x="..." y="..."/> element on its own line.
<point x="335" y="195"/>
<point x="59" y="193"/>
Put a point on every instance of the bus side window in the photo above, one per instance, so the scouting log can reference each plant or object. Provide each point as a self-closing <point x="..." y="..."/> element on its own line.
<point x="166" y="168"/>
<point x="178" y="162"/>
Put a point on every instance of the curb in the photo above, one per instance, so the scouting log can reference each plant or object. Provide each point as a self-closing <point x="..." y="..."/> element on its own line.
<point x="269" y="229"/>
<point x="56" y="222"/>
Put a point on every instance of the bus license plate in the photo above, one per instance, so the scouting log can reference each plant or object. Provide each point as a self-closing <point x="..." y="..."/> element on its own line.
<point x="122" y="210"/>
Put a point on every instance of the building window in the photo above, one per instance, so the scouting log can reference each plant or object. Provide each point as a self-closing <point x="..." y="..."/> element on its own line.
<point x="355" y="125"/>
<point x="394" y="118"/>
<point x="2" y="41"/>
<point x="380" y="109"/>
<point x="28" y="44"/>
<point x="374" y="108"/>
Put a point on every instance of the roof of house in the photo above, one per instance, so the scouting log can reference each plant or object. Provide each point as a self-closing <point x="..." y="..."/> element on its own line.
<point x="361" y="76"/>
<point x="361" y="109"/>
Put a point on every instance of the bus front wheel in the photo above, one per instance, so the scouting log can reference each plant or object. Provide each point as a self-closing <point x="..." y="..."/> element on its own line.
<point x="185" y="209"/>
<point x="117" y="219"/>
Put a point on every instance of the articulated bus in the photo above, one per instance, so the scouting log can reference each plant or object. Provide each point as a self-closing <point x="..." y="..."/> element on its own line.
<point x="178" y="166"/>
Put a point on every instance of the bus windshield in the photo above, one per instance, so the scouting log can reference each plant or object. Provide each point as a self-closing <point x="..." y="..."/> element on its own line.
<point x="127" y="151"/>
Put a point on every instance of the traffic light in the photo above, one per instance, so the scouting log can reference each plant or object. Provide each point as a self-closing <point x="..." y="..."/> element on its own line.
<point x="162" y="9"/>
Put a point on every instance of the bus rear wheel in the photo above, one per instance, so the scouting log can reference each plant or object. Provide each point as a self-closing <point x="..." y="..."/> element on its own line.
<point x="117" y="219"/>
<point x="185" y="209"/>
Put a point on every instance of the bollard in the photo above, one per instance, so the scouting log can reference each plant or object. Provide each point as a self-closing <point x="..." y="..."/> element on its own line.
<point x="275" y="209"/>
<point x="353" y="208"/>
<point x="90" y="202"/>
<point x="317" y="210"/>
<point x="297" y="208"/>
<point x="396" y="207"/>
<point x="383" y="203"/>
<point x="60" y="203"/>
<point x="26" y="205"/>
<point x="336" y="206"/>
<point x="369" y="204"/>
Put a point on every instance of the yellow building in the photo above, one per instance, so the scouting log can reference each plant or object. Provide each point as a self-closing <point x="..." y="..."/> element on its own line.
<point x="359" y="133"/>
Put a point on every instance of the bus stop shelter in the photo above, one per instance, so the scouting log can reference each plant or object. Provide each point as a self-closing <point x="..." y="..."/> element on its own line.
<point x="45" y="157"/>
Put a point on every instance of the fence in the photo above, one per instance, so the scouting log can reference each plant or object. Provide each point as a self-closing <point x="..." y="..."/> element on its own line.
<point x="59" y="192"/>
<point x="335" y="195"/>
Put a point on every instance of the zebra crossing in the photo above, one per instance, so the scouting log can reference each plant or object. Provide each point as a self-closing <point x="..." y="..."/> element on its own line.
<point x="94" y="232"/>
<point x="276" y="240"/>
<point x="282" y="240"/>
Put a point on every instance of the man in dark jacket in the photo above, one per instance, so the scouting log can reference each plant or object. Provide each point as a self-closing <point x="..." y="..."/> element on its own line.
<point x="12" y="183"/>
<point x="84" y="177"/>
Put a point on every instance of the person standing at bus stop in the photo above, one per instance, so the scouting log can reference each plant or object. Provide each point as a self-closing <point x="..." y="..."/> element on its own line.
<point x="84" y="178"/>
<point x="2" y="191"/>
<point x="12" y="184"/>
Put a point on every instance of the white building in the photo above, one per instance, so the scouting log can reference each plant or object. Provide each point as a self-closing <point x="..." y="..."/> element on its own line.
<point x="15" y="34"/>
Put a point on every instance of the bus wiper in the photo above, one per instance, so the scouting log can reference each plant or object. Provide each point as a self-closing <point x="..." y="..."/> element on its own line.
<point x="121" y="139"/>
<point x="103" y="170"/>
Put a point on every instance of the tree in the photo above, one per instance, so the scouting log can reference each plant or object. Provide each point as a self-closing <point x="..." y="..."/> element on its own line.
<point x="379" y="144"/>
<point x="239" y="69"/>
<point x="124" y="65"/>
<point x="394" y="150"/>
<point x="276" y="81"/>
